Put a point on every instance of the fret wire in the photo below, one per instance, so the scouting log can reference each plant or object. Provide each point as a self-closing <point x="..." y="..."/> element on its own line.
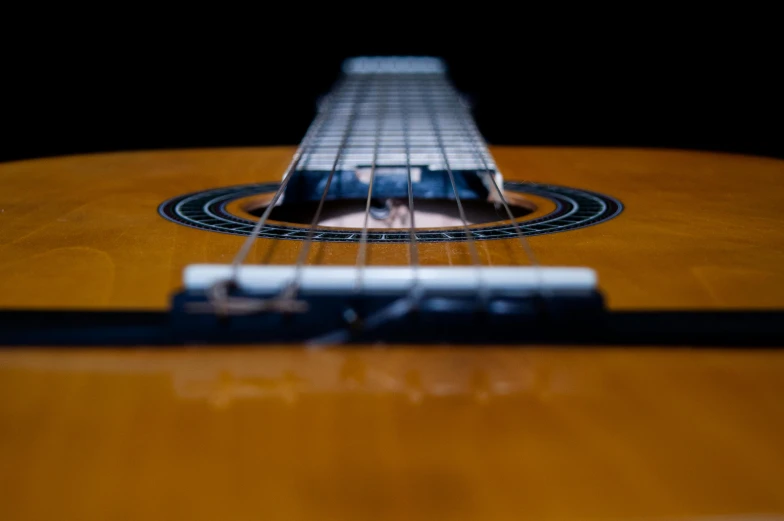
<point x="394" y="149"/>
<point x="423" y="98"/>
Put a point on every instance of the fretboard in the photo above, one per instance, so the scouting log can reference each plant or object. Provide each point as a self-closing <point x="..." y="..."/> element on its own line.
<point x="394" y="112"/>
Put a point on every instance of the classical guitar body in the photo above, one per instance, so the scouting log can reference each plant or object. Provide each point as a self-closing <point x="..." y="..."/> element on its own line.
<point x="666" y="404"/>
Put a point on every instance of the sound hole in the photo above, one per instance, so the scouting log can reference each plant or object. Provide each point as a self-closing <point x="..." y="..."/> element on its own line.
<point x="394" y="213"/>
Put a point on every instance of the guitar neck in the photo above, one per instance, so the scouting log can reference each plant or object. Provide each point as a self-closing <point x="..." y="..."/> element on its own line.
<point x="392" y="112"/>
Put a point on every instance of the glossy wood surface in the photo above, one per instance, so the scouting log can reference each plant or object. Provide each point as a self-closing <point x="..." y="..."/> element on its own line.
<point x="699" y="230"/>
<point x="385" y="432"/>
<point x="396" y="433"/>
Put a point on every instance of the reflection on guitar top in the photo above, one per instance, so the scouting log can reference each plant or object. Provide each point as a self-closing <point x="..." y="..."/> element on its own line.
<point x="223" y="377"/>
<point x="585" y="423"/>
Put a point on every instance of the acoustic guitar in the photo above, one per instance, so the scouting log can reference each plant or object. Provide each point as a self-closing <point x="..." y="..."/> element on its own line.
<point x="392" y="321"/>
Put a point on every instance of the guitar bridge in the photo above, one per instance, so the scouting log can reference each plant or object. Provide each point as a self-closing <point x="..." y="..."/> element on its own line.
<point x="391" y="303"/>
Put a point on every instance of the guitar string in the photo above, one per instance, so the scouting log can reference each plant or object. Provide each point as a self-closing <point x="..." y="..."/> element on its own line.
<point x="406" y="304"/>
<point x="362" y="253"/>
<point x="402" y="306"/>
<point x="409" y="302"/>
<point x="243" y="252"/>
<point x="291" y="290"/>
<point x="477" y="142"/>
<point x="413" y="250"/>
<point x="218" y="294"/>
<point x="483" y="290"/>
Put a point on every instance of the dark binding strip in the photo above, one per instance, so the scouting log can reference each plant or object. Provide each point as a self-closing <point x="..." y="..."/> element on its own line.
<point x="577" y="320"/>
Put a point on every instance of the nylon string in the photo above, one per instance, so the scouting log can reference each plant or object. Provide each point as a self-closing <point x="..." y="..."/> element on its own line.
<point x="362" y="253"/>
<point x="478" y="141"/>
<point x="293" y="287"/>
<point x="469" y="236"/>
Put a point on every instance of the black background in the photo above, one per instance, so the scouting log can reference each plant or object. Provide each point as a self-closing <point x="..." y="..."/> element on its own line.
<point x="125" y="80"/>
